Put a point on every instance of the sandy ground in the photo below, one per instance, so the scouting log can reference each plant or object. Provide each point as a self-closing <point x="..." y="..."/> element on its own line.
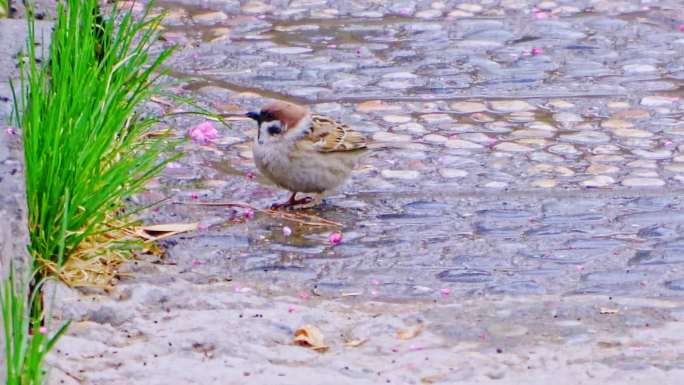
<point x="160" y="328"/>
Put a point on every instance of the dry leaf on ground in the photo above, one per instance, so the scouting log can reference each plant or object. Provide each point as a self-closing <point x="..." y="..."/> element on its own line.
<point x="157" y="232"/>
<point x="411" y="332"/>
<point x="433" y="378"/>
<point x="311" y="337"/>
<point x="355" y="343"/>
<point x="609" y="344"/>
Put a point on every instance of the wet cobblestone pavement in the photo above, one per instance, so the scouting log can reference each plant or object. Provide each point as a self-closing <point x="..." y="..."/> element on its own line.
<point x="531" y="214"/>
<point x="540" y="143"/>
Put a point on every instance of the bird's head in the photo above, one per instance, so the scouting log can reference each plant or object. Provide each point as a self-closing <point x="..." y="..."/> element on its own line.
<point x="278" y="120"/>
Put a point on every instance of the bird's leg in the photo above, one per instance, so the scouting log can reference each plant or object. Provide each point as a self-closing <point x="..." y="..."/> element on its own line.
<point x="303" y="201"/>
<point x="293" y="201"/>
<point x="311" y="202"/>
<point x="288" y="203"/>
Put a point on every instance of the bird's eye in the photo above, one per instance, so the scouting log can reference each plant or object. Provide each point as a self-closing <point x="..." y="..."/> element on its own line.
<point x="274" y="130"/>
<point x="267" y="116"/>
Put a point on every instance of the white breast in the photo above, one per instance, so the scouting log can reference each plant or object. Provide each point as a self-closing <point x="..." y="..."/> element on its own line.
<point x="310" y="172"/>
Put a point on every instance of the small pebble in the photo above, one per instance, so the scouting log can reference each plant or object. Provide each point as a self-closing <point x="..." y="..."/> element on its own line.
<point x="400" y="174"/>
<point x="512" y="147"/>
<point x="468" y="107"/>
<point x="643" y="182"/>
<point x="544" y="183"/>
<point x="596" y="169"/>
<point x="397" y="118"/>
<point x="598" y="181"/>
<point x="462" y="144"/>
<point x="511" y="106"/>
<point x="451" y="173"/>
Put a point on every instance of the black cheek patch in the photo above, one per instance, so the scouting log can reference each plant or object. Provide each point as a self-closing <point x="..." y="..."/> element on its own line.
<point x="274" y="130"/>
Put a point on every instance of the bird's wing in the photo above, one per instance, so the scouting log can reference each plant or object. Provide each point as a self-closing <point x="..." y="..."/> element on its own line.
<point x="328" y="135"/>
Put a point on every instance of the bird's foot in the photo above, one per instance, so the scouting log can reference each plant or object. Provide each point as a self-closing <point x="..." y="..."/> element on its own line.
<point x="278" y="206"/>
<point x="291" y="203"/>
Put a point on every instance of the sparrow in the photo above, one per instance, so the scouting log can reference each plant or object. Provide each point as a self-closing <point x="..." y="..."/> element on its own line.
<point x="304" y="152"/>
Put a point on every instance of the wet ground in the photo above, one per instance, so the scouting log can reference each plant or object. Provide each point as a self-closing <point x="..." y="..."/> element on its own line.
<point x="531" y="217"/>
<point x="540" y="145"/>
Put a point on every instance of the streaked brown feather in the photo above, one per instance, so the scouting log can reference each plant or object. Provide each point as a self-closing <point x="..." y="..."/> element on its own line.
<point x="331" y="136"/>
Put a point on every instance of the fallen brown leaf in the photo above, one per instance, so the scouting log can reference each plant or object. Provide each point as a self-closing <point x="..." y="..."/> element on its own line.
<point x="311" y="337"/>
<point x="609" y="344"/>
<point x="355" y="343"/>
<point x="411" y="332"/>
<point x="156" y="232"/>
<point x="433" y="378"/>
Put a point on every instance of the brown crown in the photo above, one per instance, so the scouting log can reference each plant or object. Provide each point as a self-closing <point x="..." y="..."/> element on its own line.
<point x="289" y="114"/>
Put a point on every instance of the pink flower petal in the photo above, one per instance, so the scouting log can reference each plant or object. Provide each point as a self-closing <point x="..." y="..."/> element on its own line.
<point x="11" y="131"/>
<point x="242" y="289"/>
<point x="43" y="330"/>
<point x="291" y="309"/>
<point x="287" y="231"/>
<point x="249" y="214"/>
<point x="203" y="133"/>
<point x="335" y="239"/>
<point x="304" y="295"/>
<point x="250" y="175"/>
<point x="681" y="28"/>
<point x="537" y="51"/>
<point x="540" y="15"/>
<point x="445" y="292"/>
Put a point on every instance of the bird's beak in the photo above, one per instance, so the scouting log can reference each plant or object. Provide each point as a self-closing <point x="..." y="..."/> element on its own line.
<point x="254" y="115"/>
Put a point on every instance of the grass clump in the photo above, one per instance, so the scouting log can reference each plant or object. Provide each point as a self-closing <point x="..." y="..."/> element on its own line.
<point x="27" y="335"/>
<point x="83" y="132"/>
<point x="4" y="8"/>
<point x="87" y="148"/>
<point x="27" y="341"/>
